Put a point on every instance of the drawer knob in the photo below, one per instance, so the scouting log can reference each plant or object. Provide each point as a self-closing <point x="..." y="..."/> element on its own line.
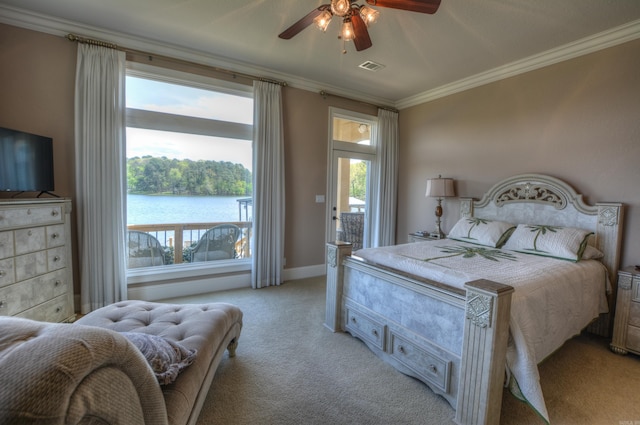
<point x="56" y="258"/>
<point x="353" y="319"/>
<point x="58" y="309"/>
<point x="54" y="213"/>
<point x="30" y="233"/>
<point x="2" y="273"/>
<point x="433" y="369"/>
<point x="57" y="283"/>
<point x="3" y="303"/>
<point x="401" y="349"/>
<point x="55" y="236"/>
<point x="374" y="332"/>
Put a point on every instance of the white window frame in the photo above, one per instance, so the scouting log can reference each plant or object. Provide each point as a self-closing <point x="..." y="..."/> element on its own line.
<point x="186" y="124"/>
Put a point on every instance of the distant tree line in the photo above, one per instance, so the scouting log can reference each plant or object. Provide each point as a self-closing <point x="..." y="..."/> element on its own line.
<point x="151" y="175"/>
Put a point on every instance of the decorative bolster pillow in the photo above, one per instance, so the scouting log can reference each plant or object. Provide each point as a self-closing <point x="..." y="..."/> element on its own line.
<point x="565" y="243"/>
<point x="482" y="231"/>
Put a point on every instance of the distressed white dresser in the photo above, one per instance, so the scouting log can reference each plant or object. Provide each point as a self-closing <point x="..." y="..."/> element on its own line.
<point x="626" y="328"/>
<point x="35" y="259"/>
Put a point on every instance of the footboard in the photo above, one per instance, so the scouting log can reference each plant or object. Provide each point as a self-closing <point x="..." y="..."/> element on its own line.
<point x="452" y="340"/>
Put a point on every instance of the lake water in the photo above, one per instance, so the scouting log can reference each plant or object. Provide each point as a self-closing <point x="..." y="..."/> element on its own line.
<point x="152" y="209"/>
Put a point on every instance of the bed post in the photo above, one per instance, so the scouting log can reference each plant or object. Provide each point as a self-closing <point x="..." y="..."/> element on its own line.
<point x="609" y="241"/>
<point x="336" y="252"/>
<point x="484" y="351"/>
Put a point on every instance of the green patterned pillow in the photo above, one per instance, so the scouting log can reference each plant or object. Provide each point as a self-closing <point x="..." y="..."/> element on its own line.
<point x="482" y="231"/>
<point x="566" y="243"/>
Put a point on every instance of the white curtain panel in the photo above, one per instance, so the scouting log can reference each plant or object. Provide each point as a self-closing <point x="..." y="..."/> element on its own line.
<point x="385" y="225"/>
<point x="100" y="182"/>
<point x="268" y="186"/>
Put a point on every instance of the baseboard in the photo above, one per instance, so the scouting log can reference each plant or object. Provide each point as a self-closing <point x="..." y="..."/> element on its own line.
<point x="160" y="291"/>
<point x="303" y="272"/>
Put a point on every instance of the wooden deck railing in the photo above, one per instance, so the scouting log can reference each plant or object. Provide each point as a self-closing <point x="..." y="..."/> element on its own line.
<point x="183" y="235"/>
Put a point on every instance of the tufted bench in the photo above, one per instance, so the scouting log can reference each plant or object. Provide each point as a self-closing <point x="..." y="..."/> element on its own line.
<point x="208" y="328"/>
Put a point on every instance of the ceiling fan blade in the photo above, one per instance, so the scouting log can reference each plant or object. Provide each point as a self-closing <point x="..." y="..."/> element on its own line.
<point x="422" y="6"/>
<point x="302" y="23"/>
<point x="362" y="40"/>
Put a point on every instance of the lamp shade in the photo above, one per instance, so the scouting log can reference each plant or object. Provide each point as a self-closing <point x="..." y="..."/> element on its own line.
<point x="440" y="188"/>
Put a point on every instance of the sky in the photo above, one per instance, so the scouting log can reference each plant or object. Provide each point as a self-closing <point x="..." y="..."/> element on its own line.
<point x="181" y="100"/>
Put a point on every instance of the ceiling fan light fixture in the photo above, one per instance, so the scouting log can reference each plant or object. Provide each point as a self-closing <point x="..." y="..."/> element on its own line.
<point x="347" y="32"/>
<point x="340" y="7"/>
<point x="369" y="15"/>
<point x="322" y="20"/>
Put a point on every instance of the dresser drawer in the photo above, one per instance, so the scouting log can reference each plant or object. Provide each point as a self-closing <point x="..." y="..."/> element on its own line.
<point x="634" y="313"/>
<point x="365" y="327"/>
<point x="56" y="258"/>
<point x="30" y="240"/>
<point x="31" y="265"/>
<point x="24" y="295"/>
<point x="633" y="338"/>
<point x="56" y="310"/>
<point x="29" y="216"/>
<point x="56" y="236"/>
<point x="7" y="272"/>
<point x="6" y="245"/>
<point x="426" y="364"/>
<point x="635" y="289"/>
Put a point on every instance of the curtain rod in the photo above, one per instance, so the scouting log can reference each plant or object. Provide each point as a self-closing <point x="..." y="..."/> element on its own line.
<point x="324" y="94"/>
<point x="78" y="39"/>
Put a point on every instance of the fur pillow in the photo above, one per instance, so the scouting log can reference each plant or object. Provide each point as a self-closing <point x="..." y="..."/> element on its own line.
<point x="167" y="358"/>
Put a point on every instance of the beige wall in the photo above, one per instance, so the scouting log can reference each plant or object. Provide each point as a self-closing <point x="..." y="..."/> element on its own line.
<point x="306" y="125"/>
<point x="37" y="77"/>
<point x="578" y="120"/>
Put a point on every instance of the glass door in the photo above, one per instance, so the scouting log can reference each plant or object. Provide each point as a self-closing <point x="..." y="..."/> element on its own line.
<point x="351" y="178"/>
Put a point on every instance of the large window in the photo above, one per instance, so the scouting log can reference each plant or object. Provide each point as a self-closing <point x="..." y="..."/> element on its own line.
<point x="189" y="171"/>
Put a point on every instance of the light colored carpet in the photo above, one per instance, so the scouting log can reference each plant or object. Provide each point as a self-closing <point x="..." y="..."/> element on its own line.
<point x="291" y="370"/>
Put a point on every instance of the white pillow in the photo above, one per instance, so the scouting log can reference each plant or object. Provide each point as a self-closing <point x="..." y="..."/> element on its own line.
<point x="591" y="253"/>
<point x="481" y="231"/>
<point x="566" y="243"/>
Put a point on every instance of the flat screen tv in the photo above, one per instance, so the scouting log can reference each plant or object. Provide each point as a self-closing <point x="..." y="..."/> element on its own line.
<point x="26" y="162"/>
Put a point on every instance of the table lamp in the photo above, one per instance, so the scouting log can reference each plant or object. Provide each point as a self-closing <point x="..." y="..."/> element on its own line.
<point x="439" y="188"/>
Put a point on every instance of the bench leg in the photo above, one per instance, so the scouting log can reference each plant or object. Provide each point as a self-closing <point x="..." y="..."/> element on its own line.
<point x="232" y="347"/>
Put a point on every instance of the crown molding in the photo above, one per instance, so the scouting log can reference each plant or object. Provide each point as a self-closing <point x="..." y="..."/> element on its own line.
<point x="594" y="43"/>
<point x="60" y="27"/>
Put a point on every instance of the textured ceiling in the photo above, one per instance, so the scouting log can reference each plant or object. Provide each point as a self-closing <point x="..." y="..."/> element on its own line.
<point x="420" y="53"/>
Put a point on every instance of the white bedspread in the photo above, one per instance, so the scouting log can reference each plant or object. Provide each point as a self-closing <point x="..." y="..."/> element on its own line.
<point x="552" y="302"/>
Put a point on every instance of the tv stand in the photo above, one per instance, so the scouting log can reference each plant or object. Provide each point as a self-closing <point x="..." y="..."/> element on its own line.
<point x="39" y="194"/>
<point x="48" y="193"/>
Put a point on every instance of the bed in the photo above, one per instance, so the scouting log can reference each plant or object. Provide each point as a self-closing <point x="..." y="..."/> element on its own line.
<point x="527" y="267"/>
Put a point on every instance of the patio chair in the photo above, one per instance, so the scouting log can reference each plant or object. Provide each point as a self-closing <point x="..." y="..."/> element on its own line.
<point x="352" y="224"/>
<point x="217" y="243"/>
<point x="144" y="250"/>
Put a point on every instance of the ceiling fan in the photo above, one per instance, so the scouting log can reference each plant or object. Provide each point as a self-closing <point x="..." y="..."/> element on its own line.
<point x="356" y="18"/>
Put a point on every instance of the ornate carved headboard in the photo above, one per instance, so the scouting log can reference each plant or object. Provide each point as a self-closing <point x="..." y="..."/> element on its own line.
<point x="541" y="199"/>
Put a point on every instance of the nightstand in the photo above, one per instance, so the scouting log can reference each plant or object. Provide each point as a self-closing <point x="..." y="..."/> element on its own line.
<point x="420" y="237"/>
<point x="626" y="327"/>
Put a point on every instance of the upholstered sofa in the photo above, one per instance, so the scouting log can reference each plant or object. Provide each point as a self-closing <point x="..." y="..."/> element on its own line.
<point x="95" y="371"/>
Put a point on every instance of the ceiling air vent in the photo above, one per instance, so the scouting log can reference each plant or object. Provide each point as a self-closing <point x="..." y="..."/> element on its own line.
<point x="371" y="66"/>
